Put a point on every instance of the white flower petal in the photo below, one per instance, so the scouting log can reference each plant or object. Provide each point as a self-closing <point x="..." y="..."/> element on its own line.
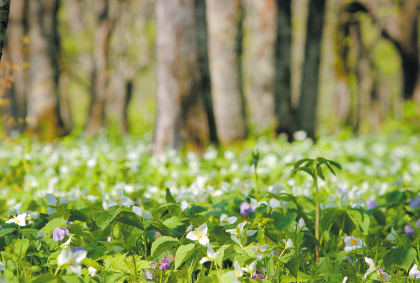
<point x="51" y="199"/>
<point x="137" y="210"/>
<point x="192" y="236"/>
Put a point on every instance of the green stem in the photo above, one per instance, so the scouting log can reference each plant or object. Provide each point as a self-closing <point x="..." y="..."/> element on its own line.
<point x="56" y="272"/>
<point x="135" y="268"/>
<point x="317" y="213"/>
<point x="145" y="245"/>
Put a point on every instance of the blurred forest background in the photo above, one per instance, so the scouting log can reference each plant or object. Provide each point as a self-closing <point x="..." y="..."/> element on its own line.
<point x="197" y="72"/>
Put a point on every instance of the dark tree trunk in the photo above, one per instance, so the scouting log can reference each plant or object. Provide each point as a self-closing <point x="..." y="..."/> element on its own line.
<point x="16" y="55"/>
<point x="4" y="19"/>
<point x="181" y="110"/>
<point x="306" y="114"/>
<point x="282" y="86"/>
<point x="44" y="117"/>
<point x="261" y="25"/>
<point x="224" y="24"/>
<point x="100" y="78"/>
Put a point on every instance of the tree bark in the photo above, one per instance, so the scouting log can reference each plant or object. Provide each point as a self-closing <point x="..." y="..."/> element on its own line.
<point x="306" y="116"/>
<point x="181" y="110"/>
<point x="282" y="86"/>
<point x="4" y="19"/>
<point x="261" y="25"/>
<point x="99" y="80"/>
<point x="16" y="55"/>
<point x="44" y="117"/>
<point x="402" y="30"/>
<point x="224" y="24"/>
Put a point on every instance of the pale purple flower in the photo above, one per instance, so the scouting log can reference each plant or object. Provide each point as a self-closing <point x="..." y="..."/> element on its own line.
<point x="415" y="203"/>
<point x="246" y="208"/>
<point x="272" y="252"/>
<point x="418" y="223"/>
<point x="164" y="265"/>
<point x="153" y="265"/>
<point x="371" y="204"/>
<point x="75" y="249"/>
<point x="59" y="233"/>
<point x="408" y="230"/>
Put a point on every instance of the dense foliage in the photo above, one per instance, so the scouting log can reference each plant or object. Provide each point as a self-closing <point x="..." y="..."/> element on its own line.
<point x="108" y="211"/>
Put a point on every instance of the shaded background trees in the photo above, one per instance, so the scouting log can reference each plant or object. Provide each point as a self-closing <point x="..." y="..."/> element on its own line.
<point x="197" y="72"/>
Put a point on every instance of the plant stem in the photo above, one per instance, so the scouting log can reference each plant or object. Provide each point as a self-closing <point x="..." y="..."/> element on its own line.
<point x="135" y="268"/>
<point x="316" y="214"/>
<point x="145" y="245"/>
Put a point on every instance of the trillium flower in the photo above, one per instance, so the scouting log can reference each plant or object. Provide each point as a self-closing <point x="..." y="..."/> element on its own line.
<point x="211" y="255"/>
<point x="66" y="244"/>
<point x="184" y="205"/>
<point x="393" y="236"/>
<point x="2" y="266"/>
<point x="371" y="268"/>
<point x="238" y="231"/>
<point x="59" y="233"/>
<point x="230" y="220"/>
<point x="356" y="201"/>
<point x="52" y="200"/>
<point x="288" y="243"/>
<point x="259" y="250"/>
<point x="120" y="200"/>
<point x="19" y="219"/>
<point x="92" y="271"/>
<point x="351" y="243"/>
<point x="383" y="276"/>
<point x="190" y="227"/>
<point x="72" y="260"/>
<point x="255" y="204"/>
<point x="414" y="272"/>
<point x="238" y="270"/>
<point x="200" y="234"/>
<point x="139" y="212"/>
<point x="300" y="226"/>
<point x="250" y="268"/>
<point x="345" y="279"/>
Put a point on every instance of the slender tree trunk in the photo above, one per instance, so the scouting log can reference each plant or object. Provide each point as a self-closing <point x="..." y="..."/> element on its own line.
<point x="100" y="78"/>
<point x="181" y="114"/>
<point x="4" y="19"/>
<point x="282" y="86"/>
<point x="224" y="23"/>
<point x="16" y="55"/>
<point x="43" y="98"/>
<point x="306" y="116"/>
<point x="261" y="24"/>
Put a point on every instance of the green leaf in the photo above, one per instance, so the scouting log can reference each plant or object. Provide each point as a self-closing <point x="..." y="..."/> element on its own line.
<point x="227" y="278"/>
<point x="283" y="222"/>
<point x="183" y="253"/>
<point x="174" y="222"/>
<point x="319" y="171"/>
<point x="4" y="232"/>
<point x="298" y="163"/>
<point x="293" y="267"/>
<point x="44" y="278"/>
<point x="103" y="218"/>
<point x="379" y="216"/>
<point x="29" y="231"/>
<point x="169" y="197"/>
<point x="329" y="167"/>
<point x="159" y="226"/>
<point x="129" y="218"/>
<point x="76" y="214"/>
<point x="336" y="164"/>
<point x="71" y="279"/>
<point x="196" y="209"/>
<point x="162" y="244"/>
<point x="387" y="260"/>
<point x="404" y="257"/>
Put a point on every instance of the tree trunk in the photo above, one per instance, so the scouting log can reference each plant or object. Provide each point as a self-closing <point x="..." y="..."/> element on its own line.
<point x="306" y="116"/>
<point x="4" y="19"/>
<point x="100" y="78"/>
<point x="181" y="110"/>
<point x="16" y="55"/>
<point x="224" y="23"/>
<point x="261" y="22"/>
<point x="43" y="97"/>
<point x="282" y="86"/>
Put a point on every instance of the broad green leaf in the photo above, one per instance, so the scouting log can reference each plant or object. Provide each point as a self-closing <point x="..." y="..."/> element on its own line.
<point x="282" y="223"/>
<point x="162" y="244"/>
<point x="71" y="279"/>
<point x="29" y="231"/>
<point x="300" y="162"/>
<point x="103" y="218"/>
<point x="183" y="253"/>
<point x="227" y="278"/>
<point x="44" y="278"/>
<point x="196" y="209"/>
<point x="169" y="197"/>
<point x="293" y="266"/>
<point x="4" y="232"/>
<point x="336" y="164"/>
<point x="174" y="222"/>
<point x="404" y="257"/>
<point x="129" y="218"/>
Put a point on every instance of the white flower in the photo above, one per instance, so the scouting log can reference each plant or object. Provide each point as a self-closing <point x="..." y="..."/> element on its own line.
<point x="300" y="226"/>
<point x="255" y="204"/>
<point x="66" y="244"/>
<point x="200" y="234"/>
<point x="393" y="236"/>
<point x="259" y="250"/>
<point x="148" y="275"/>
<point x="251" y="233"/>
<point x="238" y="270"/>
<point x="288" y="244"/>
<point x="414" y="272"/>
<point x="274" y="203"/>
<point x="51" y="199"/>
<point x="190" y="227"/>
<point x="250" y="268"/>
<point x="383" y="276"/>
<point x="184" y="205"/>
<point x="211" y="255"/>
<point x="230" y="220"/>
<point x="51" y="210"/>
<point x="92" y="271"/>
<point x="371" y="268"/>
<point x="73" y="260"/>
<point x="19" y="219"/>
<point x="120" y="200"/>
<point x="238" y="230"/>
<point x="139" y="212"/>
<point x="2" y="266"/>
<point x="345" y="279"/>
<point x="356" y="201"/>
<point x="351" y="243"/>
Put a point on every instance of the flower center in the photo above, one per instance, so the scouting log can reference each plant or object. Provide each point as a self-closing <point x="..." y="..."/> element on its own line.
<point x="381" y="276"/>
<point x="71" y="261"/>
<point x="354" y="200"/>
<point x="199" y="235"/>
<point x="117" y="200"/>
<point x="238" y="272"/>
<point x="353" y="241"/>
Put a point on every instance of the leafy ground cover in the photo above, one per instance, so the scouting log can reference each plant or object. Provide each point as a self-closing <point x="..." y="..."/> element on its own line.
<point x="107" y="211"/>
